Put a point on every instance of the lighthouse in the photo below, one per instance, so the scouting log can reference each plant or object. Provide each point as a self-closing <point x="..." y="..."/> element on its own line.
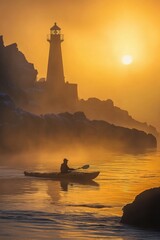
<point x="55" y="73"/>
<point x="62" y="94"/>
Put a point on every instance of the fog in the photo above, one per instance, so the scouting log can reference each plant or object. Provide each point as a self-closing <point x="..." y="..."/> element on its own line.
<point x="47" y="160"/>
<point x="97" y="34"/>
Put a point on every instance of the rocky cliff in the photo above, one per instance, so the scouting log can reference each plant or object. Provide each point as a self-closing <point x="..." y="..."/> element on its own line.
<point x="21" y="130"/>
<point x="107" y="111"/>
<point x="17" y="75"/>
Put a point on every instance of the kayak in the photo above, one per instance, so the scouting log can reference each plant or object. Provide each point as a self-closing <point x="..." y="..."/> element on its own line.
<point x="77" y="176"/>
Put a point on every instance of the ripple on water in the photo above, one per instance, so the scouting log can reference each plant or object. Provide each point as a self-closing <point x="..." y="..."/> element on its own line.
<point x="45" y="225"/>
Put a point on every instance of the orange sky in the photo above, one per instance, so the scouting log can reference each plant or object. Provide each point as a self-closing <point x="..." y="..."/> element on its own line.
<point x="97" y="34"/>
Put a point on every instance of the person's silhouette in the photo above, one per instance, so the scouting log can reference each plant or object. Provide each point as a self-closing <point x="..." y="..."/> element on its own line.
<point x="64" y="167"/>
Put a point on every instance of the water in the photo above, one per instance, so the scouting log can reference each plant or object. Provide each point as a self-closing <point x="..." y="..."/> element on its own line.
<point x="45" y="209"/>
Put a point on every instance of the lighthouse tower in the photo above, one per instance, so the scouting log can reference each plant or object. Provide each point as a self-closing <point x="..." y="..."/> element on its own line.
<point x="61" y="94"/>
<point x="55" y="73"/>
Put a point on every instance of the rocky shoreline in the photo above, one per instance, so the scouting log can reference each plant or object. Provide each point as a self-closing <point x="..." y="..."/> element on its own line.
<point x="21" y="130"/>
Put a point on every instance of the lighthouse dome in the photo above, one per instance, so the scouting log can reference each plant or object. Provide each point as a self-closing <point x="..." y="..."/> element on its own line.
<point x="55" y="27"/>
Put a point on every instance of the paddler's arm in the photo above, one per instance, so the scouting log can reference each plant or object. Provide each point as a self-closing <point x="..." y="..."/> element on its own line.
<point x="71" y="169"/>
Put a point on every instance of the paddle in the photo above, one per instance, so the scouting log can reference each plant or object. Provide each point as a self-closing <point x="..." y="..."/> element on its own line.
<point x="83" y="167"/>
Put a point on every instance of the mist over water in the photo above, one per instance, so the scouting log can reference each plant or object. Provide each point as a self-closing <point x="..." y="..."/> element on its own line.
<point x="44" y="209"/>
<point x="42" y="122"/>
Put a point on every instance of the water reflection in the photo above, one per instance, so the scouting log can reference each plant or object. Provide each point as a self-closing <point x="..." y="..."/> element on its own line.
<point x="16" y="186"/>
<point x="31" y="191"/>
<point x="64" y="184"/>
<point x="54" y="188"/>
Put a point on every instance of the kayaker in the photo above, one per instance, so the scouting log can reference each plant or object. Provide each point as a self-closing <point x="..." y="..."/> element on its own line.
<point x="64" y="167"/>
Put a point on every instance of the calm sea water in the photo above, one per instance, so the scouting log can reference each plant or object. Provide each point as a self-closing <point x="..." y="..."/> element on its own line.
<point x="45" y="209"/>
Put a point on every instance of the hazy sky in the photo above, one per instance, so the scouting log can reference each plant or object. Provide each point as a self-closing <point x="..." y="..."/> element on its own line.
<point x="97" y="33"/>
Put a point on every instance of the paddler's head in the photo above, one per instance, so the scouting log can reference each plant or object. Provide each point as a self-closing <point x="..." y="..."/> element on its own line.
<point x="65" y="160"/>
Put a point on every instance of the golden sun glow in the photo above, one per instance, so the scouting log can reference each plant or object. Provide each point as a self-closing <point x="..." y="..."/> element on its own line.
<point x="127" y="59"/>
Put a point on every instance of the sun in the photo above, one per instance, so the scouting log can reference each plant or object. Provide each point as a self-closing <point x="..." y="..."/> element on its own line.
<point x="127" y="59"/>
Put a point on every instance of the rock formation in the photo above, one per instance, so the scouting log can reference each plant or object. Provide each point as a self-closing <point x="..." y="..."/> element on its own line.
<point x="17" y="75"/>
<point x="107" y="111"/>
<point x="144" y="211"/>
<point x="21" y="130"/>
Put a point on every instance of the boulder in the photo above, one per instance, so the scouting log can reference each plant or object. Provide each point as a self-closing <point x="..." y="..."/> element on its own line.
<point x="144" y="211"/>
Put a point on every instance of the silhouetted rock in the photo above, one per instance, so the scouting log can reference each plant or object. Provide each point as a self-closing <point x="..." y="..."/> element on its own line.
<point x="20" y="72"/>
<point x="17" y="75"/>
<point x="105" y="110"/>
<point x="21" y="130"/>
<point x="144" y="211"/>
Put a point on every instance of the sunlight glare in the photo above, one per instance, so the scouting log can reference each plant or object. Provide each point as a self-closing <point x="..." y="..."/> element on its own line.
<point x="127" y="59"/>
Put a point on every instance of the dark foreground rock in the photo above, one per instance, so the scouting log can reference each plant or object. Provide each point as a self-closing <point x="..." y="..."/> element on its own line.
<point x="21" y="130"/>
<point x="144" y="211"/>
